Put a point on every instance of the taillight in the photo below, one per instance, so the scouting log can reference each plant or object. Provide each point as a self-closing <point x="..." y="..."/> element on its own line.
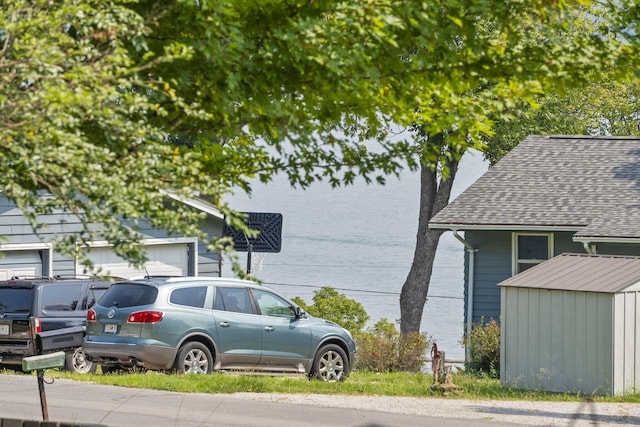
<point x="37" y="324"/>
<point x="145" y="317"/>
<point x="91" y="315"/>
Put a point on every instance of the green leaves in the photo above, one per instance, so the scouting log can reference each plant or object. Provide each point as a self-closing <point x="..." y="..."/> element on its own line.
<point x="73" y="124"/>
<point x="95" y="93"/>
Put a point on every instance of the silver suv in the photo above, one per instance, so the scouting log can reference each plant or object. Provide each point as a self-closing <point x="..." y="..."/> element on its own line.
<point x="204" y="324"/>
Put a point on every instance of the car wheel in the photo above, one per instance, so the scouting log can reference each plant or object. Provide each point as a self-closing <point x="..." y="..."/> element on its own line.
<point x="330" y="364"/>
<point x="194" y="358"/>
<point x="76" y="361"/>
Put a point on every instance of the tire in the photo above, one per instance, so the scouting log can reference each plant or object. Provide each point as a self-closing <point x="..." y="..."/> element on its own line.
<point x="330" y="364"/>
<point x="193" y="358"/>
<point x="75" y="361"/>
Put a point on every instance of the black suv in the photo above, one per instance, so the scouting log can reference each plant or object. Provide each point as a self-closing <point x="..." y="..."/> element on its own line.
<point x="44" y="315"/>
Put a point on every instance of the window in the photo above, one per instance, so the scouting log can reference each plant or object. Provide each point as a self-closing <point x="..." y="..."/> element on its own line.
<point x="128" y="295"/>
<point x="191" y="297"/>
<point x="94" y="295"/>
<point x="61" y="297"/>
<point x="234" y="299"/>
<point x="273" y="305"/>
<point x="531" y="249"/>
<point x="15" y="300"/>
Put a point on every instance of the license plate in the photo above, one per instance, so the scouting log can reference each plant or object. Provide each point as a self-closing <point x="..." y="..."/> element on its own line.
<point x="4" y="329"/>
<point x="110" y="328"/>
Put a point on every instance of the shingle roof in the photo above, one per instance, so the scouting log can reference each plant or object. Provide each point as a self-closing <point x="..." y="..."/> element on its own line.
<point x="587" y="184"/>
<point x="580" y="272"/>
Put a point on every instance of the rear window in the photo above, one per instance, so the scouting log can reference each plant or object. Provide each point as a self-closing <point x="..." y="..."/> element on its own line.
<point x="128" y="295"/>
<point x="15" y="300"/>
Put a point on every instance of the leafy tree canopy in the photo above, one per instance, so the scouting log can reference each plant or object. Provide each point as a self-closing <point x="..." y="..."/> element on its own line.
<point x="603" y="107"/>
<point x="336" y="307"/>
<point x="109" y="106"/>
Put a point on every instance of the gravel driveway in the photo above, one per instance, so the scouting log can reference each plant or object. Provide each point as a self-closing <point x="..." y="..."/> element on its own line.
<point x="516" y="412"/>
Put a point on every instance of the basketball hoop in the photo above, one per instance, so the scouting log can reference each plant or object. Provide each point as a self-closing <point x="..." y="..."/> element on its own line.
<point x="257" y="258"/>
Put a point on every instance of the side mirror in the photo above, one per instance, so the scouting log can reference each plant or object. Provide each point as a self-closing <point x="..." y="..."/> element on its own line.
<point x="299" y="312"/>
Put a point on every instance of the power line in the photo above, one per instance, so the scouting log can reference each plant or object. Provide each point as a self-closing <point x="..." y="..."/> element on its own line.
<point x="435" y="267"/>
<point x="365" y="291"/>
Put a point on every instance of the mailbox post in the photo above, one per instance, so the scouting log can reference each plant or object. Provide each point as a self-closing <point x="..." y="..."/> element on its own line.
<point x="40" y="363"/>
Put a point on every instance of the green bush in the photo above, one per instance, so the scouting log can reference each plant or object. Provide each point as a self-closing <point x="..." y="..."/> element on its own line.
<point x="336" y="307"/>
<point x="484" y="348"/>
<point x="383" y="349"/>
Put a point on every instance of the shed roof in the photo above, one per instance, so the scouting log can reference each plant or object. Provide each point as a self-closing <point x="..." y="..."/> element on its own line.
<point x="590" y="185"/>
<point x="581" y="272"/>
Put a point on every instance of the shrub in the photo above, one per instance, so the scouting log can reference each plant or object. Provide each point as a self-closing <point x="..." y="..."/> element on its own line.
<point x="336" y="307"/>
<point x="484" y="348"/>
<point x="383" y="349"/>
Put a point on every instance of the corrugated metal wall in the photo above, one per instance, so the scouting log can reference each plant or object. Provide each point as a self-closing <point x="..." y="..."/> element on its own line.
<point x="559" y="341"/>
<point x="627" y="342"/>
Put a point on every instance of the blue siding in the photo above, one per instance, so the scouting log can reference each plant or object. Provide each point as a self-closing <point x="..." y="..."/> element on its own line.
<point x="493" y="264"/>
<point x="563" y="243"/>
<point x="15" y="229"/>
<point x="63" y="265"/>
<point x="618" y="249"/>
<point x="209" y="262"/>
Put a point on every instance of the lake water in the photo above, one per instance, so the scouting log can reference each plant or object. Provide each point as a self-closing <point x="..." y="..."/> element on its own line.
<point x="360" y="240"/>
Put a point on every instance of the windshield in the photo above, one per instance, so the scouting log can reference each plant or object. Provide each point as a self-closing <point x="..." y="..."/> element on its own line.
<point x="15" y="300"/>
<point x="128" y="295"/>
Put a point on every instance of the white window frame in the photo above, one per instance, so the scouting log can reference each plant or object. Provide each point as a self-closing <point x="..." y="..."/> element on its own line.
<point x="514" y="245"/>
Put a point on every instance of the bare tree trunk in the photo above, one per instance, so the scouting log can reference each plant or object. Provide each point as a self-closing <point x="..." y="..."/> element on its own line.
<point x="434" y="196"/>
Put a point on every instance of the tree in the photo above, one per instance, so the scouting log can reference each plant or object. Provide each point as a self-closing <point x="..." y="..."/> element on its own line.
<point x="602" y="107"/>
<point x="74" y="106"/>
<point x="354" y="68"/>
<point x="331" y="305"/>
<point x="95" y="94"/>
<point x="437" y="182"/>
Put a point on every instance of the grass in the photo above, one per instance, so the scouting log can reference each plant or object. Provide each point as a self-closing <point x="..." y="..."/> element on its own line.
<point x="358" y="383"/>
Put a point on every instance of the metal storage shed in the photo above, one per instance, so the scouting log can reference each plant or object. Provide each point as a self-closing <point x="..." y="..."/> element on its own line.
<point x="572" y="324"/>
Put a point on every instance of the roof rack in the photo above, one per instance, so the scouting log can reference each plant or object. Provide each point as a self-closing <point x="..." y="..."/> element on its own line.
<point x="66" y="277"/>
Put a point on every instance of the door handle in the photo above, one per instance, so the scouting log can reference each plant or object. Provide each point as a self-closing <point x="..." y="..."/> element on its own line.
<point x="225" y="324"/>
<point x="269" y="328"/>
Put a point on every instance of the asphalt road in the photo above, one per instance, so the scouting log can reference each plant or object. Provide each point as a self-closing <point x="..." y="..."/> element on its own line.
<point x="86" y="403"/>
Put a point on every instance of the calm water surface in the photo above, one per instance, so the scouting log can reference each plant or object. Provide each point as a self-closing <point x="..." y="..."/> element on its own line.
<point x="360" y="241"/>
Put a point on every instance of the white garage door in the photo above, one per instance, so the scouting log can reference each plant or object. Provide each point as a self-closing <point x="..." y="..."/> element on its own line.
<point x="164" y="260"/>
<point x="20" y="264"/>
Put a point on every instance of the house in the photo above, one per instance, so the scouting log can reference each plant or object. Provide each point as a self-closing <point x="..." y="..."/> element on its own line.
<point x="24" y="254"/>
<point x="571" y="325"/>
<point x="549" y="195"/>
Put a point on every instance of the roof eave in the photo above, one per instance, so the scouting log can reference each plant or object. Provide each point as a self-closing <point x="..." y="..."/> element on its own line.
<point x="503" y="227"/>
<point x="603" y="239"/>
<point x="199" y="204"/>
